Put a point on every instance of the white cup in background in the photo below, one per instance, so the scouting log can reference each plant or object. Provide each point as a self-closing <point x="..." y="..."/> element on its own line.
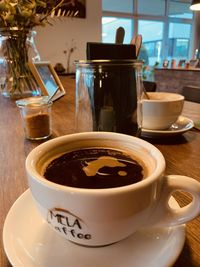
<point x="161" y="110"/>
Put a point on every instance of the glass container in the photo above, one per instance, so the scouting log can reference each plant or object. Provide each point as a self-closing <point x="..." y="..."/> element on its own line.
<point x="108" y="96"/>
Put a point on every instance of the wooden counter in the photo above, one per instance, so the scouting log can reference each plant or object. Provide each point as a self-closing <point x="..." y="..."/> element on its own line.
<point x="173" y="80"/>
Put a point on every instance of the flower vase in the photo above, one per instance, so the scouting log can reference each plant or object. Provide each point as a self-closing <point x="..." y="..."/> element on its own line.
<point x="16" y="78"/>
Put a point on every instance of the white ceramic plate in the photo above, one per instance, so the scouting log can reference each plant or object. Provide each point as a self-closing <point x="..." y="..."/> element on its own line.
<point x="181" y="126"/>
<point x="29" y="242"/>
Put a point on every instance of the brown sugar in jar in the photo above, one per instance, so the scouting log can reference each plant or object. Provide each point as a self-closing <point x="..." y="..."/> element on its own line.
<point x="36" y="117"/>
<point x="37" y="126"/>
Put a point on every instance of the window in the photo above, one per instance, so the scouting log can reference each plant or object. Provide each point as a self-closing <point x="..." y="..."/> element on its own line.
<point x="155" y="7"/>
<point x="166" y="26"/>
<point x="179" y="41"/>
<point x="110" y="25"/>
<point x="151" y="42"/>
<point x="118" y="6"/>
<point x="178" y="9"/>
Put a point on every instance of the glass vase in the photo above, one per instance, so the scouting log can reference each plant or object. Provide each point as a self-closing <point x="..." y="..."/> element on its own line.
<point x="16" y="50"/>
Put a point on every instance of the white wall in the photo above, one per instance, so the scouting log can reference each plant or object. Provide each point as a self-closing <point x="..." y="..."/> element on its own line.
<point x="52" y="41"/>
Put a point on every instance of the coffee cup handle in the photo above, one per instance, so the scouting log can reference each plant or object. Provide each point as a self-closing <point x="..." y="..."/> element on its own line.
<point x="165" y="215"/>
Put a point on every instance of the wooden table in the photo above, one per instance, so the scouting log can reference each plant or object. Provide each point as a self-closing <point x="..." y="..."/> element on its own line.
<point x="182" y="154"/>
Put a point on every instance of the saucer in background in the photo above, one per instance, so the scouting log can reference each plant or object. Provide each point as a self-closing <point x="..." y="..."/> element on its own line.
<point x="181" y="126"/>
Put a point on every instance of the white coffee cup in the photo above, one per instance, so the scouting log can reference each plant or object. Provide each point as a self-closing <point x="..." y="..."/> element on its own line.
<point x="161" y="110"/>
<point x="97" y="217"/>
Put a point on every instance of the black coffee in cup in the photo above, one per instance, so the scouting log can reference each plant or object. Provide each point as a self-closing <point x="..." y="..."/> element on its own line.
<point x="94" y="168"/>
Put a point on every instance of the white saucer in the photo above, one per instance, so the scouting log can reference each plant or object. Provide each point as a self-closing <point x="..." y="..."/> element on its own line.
<point x="29" y="242"/>
<point x="181" y="126"/>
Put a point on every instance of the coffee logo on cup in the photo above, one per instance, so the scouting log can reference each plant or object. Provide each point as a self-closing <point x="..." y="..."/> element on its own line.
<point x="67" y="223"/>
<point x="93" y="167"/>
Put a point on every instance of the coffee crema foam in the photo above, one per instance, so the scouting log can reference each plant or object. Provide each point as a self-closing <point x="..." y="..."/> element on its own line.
<point x="95" y="168"/>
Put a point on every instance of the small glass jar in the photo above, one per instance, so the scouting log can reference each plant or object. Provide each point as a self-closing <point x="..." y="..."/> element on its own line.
<point x="36" y="117"/>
